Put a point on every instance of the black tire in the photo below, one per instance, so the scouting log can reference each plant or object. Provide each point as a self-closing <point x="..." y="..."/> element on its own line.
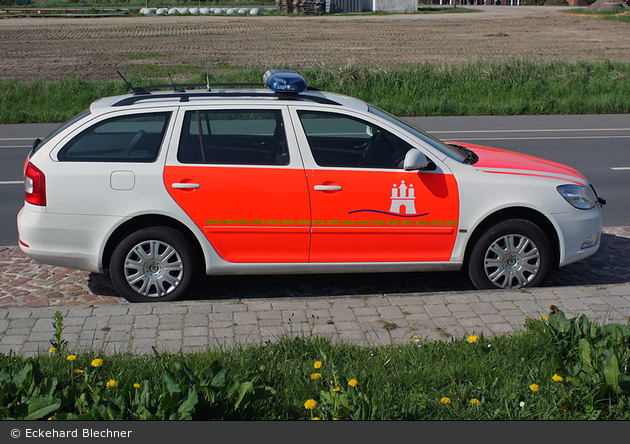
<point x="153" y="264"/>
<point x="513" y="253"/>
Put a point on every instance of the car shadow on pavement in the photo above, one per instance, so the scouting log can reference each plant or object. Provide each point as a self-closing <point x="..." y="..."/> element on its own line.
<point x="611" y="265"/>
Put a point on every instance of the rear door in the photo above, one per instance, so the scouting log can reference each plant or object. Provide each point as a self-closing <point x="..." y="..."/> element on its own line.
<point x="365" y="207"/>
<point x="239" y="176"/>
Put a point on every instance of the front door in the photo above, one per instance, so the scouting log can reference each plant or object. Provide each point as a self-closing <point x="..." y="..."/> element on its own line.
<point x="365" y="207"/>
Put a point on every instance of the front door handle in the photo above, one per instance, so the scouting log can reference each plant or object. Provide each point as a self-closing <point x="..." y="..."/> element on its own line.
<point x="327" y="187"/>
<point x="185" y="186"/>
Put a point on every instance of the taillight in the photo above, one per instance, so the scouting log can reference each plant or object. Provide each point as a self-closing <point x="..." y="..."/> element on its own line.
<point x="34" y="186"/>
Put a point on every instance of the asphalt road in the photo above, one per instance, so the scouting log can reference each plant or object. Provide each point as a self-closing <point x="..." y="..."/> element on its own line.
<point x="596" y="145"/>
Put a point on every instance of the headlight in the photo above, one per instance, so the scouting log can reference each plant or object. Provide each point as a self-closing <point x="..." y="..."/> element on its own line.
<point x="580" y="197"/>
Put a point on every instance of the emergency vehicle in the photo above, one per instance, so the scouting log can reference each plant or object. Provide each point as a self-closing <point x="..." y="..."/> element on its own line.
<point x="161" y="187"/>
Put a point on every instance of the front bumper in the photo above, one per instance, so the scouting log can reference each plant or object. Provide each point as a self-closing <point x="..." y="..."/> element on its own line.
<point x="576" y="232"/>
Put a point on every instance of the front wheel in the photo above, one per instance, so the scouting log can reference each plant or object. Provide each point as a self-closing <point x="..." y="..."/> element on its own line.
<point x="514" y="253"/>
<point x="153" y="264"/>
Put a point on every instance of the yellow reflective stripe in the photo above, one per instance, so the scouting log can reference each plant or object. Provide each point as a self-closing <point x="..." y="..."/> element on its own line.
<point x="405" y="222"/>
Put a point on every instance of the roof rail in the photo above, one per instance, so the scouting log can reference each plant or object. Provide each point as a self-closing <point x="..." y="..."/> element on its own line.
<point x="181" y="87"/>
<point x="184" y="96"/>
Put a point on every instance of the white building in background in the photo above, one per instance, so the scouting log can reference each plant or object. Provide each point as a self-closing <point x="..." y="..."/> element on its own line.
<point x="337" y="6"/>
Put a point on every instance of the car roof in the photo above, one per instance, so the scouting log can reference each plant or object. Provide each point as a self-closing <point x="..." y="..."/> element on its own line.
<point x="246" y="97"/>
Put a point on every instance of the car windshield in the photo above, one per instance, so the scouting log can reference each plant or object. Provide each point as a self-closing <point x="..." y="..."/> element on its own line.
<point x="60" y="129"/>
<point x="449" y="150"/>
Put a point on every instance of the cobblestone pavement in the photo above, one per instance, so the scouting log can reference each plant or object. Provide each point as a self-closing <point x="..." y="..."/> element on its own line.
<point x="374" y="309"/>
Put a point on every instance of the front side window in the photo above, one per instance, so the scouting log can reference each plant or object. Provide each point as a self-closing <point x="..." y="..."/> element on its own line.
<point x="131" y="138"/>
<point x="343" y="141"/>
<point x="237" y="137"/>
<point x="425" y="137"/>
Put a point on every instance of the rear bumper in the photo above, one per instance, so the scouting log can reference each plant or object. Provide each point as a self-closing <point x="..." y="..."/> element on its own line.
<point x="63" y="240"/>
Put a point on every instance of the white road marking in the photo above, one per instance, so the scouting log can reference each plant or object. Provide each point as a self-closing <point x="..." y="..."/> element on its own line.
<point x="11" y="182"/>
<point x="620" y="168"/>
<point x="533" y="130"/>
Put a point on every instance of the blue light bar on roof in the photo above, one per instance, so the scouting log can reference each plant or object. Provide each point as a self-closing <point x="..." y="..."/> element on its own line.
<point x="284" y="80"/>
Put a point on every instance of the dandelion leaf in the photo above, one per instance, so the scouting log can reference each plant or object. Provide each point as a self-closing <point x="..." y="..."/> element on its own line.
<point x="585" y="352"/>
<point x="41" y="407"/>
<point x="611" y="370"/>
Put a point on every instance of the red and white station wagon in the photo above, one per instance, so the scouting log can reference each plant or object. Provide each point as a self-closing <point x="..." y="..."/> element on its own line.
<point x="162" y="187"/>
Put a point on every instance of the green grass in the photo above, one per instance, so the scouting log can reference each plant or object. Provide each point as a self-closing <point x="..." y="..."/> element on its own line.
<point x="513" y="377"/>
<point x="141" y="3"/>
<point x="619" y="13"/>
<point x="514" y="87"/>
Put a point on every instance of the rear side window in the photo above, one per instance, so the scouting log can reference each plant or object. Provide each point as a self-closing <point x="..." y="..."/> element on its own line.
<point x="237" y="137"/>
<point x="132" y="138"/>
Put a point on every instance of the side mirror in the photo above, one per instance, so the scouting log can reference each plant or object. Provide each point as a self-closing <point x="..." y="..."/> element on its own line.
<point x="416" y="160"/>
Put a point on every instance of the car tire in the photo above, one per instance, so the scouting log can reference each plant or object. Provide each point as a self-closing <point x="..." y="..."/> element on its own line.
<point x="153" y="264"/>
<point x="513" y="253"/>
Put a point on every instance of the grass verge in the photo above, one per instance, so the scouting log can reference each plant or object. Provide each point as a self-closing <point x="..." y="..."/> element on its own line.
<point x="620" y="13"/>
<point x="507" y="88"/>
<point x="557" y="368"/>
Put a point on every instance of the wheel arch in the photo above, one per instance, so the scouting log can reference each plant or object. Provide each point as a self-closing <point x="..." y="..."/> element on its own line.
<point x="151" y="220"/>
<point x="525" y="213"/>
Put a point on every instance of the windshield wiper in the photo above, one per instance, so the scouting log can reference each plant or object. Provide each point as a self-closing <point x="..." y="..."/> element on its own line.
<point x="470" y="157"/>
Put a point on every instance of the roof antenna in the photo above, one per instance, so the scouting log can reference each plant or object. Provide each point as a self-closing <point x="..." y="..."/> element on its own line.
<point x="136" y="91"/>
<point x="205" y="57"/>
<point x="173" y="83"/>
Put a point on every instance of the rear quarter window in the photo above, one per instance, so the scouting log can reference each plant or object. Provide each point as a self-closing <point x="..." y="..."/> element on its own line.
<point x="131" y="138"/>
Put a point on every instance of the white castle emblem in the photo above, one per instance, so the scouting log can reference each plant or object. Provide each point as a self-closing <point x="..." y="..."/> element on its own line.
<point x="403" y="196"/>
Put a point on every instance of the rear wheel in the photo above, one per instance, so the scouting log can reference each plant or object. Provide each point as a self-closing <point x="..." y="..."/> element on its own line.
<point x="153" y="264"/>
<point x="514" y="253"/>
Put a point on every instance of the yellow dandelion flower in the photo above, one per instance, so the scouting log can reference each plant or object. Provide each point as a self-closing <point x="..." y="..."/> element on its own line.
<point x="534" y="387"/>
<point x="544" y="318"/>
<point x="78" y="371"/>
<point x="445" y="400"/>
<point x="310" y="404"/>
<point x="472" y="339"/>
<point x="97" y="363"/>
<point x="474" y="401"/>
<point x="318" y="364"/>
<point x="316" y="376"/>
<point x="112" y="383"/>
<point x="136" y="385"/>
<point x="52" y="350"/>
<point x="315" y="419"/>
<point x="336" y="388"/>
<point x="557" y="378"/>
<point x="353" y="383"/>
<point x="71" y="358"/>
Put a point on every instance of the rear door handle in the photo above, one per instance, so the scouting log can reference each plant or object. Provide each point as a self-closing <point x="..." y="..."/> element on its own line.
<point x="185" y="186"/>
<point x="327" y="187"/>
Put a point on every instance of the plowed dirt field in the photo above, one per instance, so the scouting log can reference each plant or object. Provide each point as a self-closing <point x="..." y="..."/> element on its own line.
<point x="96" y="48"/>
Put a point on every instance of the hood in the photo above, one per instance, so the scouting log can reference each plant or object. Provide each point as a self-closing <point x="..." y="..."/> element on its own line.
<point x="495" y="160"/>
